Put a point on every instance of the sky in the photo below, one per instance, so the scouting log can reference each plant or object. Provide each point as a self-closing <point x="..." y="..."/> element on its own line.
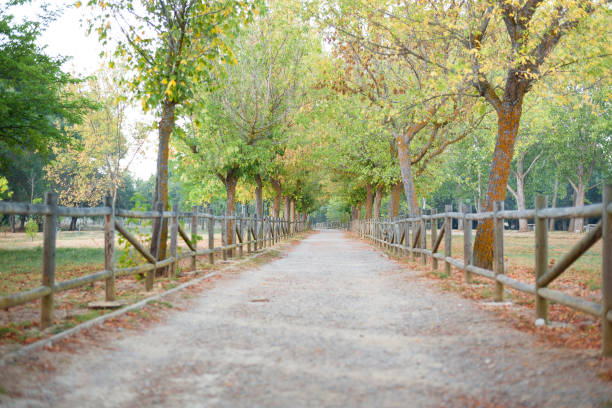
<point x="67" y="36"/>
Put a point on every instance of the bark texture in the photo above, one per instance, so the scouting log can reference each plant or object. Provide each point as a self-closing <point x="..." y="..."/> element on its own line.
<point x="166" y="124"/>
<point x="277" y="187"/>
<point x="377" y="201"/>
<point x="405" y="162"/>
<point x="230" y="183"/>
<point x="394" y="201"/>
<point x="259" y="196"/>
<point x="508" y="120"/>
<point x="369" y="201"/>
<point x="287" y="208"/>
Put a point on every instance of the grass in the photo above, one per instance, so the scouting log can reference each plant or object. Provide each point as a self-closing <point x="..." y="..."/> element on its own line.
<point x="21" y="268"/>
<point x="519" y="253"/>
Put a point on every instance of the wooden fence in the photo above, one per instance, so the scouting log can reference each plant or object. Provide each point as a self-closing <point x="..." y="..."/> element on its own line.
<point x="331" y="225"/>
<point x="253" y="232"/>
<point x="410" y="236"/>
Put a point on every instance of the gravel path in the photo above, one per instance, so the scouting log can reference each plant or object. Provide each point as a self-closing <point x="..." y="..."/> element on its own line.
<point x="332" y="324"/>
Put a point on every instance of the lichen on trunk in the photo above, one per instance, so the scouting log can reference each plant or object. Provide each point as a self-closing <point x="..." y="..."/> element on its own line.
<point x="394" y="199"/>
<point x="508" y="120"/>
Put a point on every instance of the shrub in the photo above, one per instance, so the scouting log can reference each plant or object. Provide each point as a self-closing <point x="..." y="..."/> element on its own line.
<point x="31" y="228"/>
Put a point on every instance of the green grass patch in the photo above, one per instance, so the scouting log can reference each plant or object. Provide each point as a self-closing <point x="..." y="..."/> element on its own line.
<point x="27" y="260"/>
<point x="21" y="268"/>
<point x="58" y="328"/>
<point x="160" y="303"/>
<point x="87" y="316"/>
<point x="7" y="330"/>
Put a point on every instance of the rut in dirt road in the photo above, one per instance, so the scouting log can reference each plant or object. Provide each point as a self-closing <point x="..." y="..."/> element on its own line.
<point x="334" y="323"/>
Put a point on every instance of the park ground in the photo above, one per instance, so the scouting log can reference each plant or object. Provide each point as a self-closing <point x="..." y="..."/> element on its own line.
<point x="78" y="254"/>
<point x="332" y="322"/>
<point x="81" y="253"/>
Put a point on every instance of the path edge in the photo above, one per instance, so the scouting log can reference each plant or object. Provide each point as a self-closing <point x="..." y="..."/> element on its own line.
<point x="12" y="357"/>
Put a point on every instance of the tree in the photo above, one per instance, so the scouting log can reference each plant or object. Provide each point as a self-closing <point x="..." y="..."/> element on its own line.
<point x="580" y="139"/>
<point x="91" y="166"/>
<point x="37" y="107"/>
<point x="505" y="68"/>
<point x="170" y="45"/>
<point x="500" y="49"/>
<point x="240" y="126"/>
<point x="414" y="104"/>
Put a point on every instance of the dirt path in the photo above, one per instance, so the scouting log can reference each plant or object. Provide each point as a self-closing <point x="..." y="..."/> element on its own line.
<point x="334" y="323"/>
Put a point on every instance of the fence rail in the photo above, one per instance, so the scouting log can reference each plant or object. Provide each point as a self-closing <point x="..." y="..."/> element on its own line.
<point x="252" y="232"/>
<point x="332" y="225"/>
<point x="409" y="236"/>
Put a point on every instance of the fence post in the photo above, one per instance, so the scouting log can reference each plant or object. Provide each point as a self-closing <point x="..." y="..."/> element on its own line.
<point x="248" y="234"/>
<point x="174" y="240"/>
<point x="397" y="231"/>
<point x="194" y="234"/>
<point x="224" y="236"/>
<point x="270" y="231"/>
<point x="211" y="236"/>
<point x="541" y="256"/>
<point x="498" y="249"/>
<point x="448" y="236"/>
<point x="467" y="243"/>
<point x="150" y="276"/>
<point x="255" y="233"/>
<point x="434" y="238"/>
<point x="241" y="228"/>
<point x="264" y="231"/>
<point x="109" y="248"/>
<point x="48" y="272"/>
<point x="606" y="270"/>
<point x="423" y="237"/>
<point x="231" y="232"/>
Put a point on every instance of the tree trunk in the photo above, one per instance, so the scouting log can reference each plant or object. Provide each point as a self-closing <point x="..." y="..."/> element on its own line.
<point x="579" y="188"/>
<point x="460" y="220"/>
<point x="394" y="200"/>
<point x="377" y="201"/>
<point x="520" y="194"/>
<point x="286" y="209"/>
<point x="508" y="120"/>
<point x="166" y="125"/>
<point x="230" y="206"/>
<point x="405" y="161"/>
<point x="553" y="203"/>
<point x="292" y="214"/>
<point x="369" y="202"/>
<point x="13" y="228"/>
<point x="579" y="222"/>
<point x="276" y="185"/>
<point x="572" y="221"/>
<point x="259" y="196"/>
<point x="73" y="222"/>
